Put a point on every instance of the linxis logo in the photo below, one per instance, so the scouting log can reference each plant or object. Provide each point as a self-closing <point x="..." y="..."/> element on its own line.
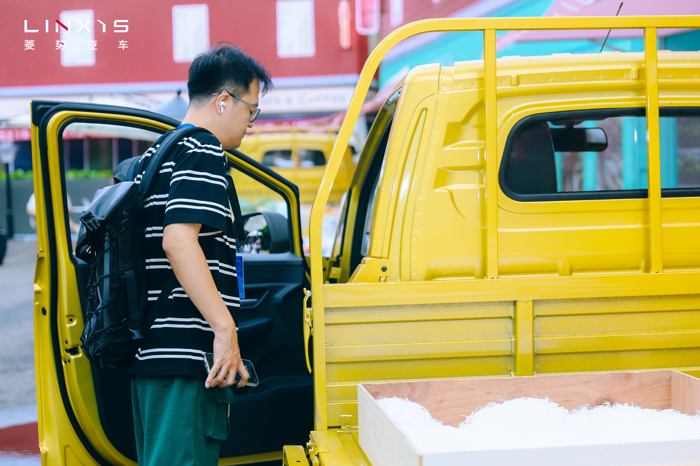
<point x="120" y="26"/>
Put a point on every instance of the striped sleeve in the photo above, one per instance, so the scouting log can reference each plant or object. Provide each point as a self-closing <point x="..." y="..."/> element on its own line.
<point x="198" y="184"/>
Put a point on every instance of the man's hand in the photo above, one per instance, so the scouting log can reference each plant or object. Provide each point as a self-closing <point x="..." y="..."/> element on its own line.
<point x="241" y="370"/>
<point x="227" y="361"/>
<point x="224" y="363"/>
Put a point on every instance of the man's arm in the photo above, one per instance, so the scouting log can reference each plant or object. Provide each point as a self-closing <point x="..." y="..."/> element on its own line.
<point x="181" y="245"/>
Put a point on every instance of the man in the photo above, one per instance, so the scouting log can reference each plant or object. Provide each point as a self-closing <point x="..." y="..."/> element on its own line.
<point x="180" y="411"/>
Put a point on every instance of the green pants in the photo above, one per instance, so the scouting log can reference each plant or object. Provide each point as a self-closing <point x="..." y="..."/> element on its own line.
<point x="178" y="421"/>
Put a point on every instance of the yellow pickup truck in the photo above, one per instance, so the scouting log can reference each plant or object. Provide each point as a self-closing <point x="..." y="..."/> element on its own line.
<point x="299" y="154"/>
<point x="510" y="217"/>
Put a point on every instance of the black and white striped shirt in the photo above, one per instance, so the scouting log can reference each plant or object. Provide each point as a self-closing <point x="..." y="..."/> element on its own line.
<point x="190" y="188"/>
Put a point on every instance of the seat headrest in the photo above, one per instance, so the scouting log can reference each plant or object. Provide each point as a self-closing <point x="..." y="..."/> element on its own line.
<point x="531" y="167"/>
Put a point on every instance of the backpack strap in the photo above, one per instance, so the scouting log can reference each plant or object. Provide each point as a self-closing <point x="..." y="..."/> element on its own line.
<point x="236" y="208"/>
<point x="127" y="171"/>
<point x="170" y="140"/>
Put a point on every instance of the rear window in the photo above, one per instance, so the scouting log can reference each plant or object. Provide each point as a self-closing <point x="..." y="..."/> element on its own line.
<point x="599" y="155"/>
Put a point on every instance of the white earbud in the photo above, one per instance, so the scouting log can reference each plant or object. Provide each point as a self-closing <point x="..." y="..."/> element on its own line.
<point x="222" y="107"/>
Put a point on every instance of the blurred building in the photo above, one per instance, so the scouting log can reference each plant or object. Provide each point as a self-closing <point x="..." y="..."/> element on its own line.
<point x="137" y="53"/>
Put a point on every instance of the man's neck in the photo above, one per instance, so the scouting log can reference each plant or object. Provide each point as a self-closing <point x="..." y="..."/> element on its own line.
<point x="199" y="119"/>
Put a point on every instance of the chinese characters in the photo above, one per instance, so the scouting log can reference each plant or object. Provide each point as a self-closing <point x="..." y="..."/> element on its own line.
<point x="30" y="44"/>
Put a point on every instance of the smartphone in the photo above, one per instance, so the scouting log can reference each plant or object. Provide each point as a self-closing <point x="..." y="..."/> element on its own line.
<point x="252" y="380"/>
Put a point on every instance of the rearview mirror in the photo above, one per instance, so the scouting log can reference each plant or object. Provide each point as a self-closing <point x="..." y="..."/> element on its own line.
<point x="266" y="232"/>
<point x="579" y="139"/>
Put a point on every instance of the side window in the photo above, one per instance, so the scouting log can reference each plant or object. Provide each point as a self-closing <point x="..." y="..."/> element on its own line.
<point x="686" y="143"/>
<point x="311" y="158"/>
<point x="255" y="196"/>
<point x="367" y="225"/>
<point x="278" y="159"/>
<point x="581" y="155"/>
<point x="266" y="215"/>
<point x="368" y="197"/>
<point x="101" y="147"/>
<point x="90" y="152"/>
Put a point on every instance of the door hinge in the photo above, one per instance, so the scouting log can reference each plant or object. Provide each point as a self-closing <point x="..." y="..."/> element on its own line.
<point x="371" y="270"/>
<point x="314" y="451"/>
<point x="335" y="273"/>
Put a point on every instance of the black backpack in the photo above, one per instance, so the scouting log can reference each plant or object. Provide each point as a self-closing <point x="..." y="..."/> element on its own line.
<point x="111" y="241"/>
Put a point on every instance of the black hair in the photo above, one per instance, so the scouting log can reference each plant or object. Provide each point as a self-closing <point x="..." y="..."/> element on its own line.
<point x="225" y="67"/>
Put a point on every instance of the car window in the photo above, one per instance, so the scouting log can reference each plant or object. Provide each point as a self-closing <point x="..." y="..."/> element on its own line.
<point x="311" y="158"/>
<point x="255" y="196"/>
<point x="577" y="155"/>
<point x="278" y="158"/>
<point x="90" y="163"/>
<point x="367" y="225"/>
<point x="90" y="152"/>
<point x="687" y="145"/>
<point x="374" y="176"/>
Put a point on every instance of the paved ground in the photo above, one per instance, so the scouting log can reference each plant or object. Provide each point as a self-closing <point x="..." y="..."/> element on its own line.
<point x="18" y="413"/>
<point x="17" y="383"/>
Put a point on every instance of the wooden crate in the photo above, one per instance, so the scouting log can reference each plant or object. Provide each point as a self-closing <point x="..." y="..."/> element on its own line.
<point x="449" y="400"/>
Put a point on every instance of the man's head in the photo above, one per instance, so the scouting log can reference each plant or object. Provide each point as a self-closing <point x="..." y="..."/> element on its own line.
<point x="224" y="84"/>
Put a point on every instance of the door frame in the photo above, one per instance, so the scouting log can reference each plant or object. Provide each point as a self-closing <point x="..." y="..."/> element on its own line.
<point x="63" y="373"/>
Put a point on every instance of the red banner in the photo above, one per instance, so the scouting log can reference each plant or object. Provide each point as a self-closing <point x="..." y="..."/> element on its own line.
<point x="25" y="134"/>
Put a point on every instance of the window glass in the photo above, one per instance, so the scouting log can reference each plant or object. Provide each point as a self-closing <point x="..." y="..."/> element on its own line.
<point x="100" y="153"/>
<point x="78" y="45"/>
<point x="255" y="196"/>
<point x="89" y="160"/>
<point x="278" y="158"/>
<point x="295" y="29"/>
<point x="369" y="216"/>
<point x="619" y="166"/>
<point x="367" y="226"/>
<point x="82" y="184"/>
<point x="190" y="31"/>
<point x="311" y="158"/>
<point x="601" y="153"/>
<point x="686" y="144"/>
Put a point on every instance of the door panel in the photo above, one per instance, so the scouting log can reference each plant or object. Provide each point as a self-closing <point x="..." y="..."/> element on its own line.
<point x="266" y="417"/>
<point x="261" y="418"/>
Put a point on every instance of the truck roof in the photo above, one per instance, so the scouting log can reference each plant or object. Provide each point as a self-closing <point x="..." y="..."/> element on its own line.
<point x="565" y="68"/>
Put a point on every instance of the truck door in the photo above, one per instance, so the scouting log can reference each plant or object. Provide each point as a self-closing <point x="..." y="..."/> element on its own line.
<point x="85" y="412"/>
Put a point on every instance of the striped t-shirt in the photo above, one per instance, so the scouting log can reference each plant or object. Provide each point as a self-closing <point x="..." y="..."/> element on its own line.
<point x="190" y="188"/>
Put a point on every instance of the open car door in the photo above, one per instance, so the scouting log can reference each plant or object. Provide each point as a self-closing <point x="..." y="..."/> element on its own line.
<point x="85" y="414"/>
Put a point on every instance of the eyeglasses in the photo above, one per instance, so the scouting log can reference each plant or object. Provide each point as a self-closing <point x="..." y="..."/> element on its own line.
<point x="253" y="115"/>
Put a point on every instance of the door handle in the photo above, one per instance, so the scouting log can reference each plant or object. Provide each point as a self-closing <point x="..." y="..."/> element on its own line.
<point x="308" y="327"/>
<point x="249" y="302"/>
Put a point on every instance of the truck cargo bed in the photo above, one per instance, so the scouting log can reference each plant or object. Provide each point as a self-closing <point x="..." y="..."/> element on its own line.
<point x="388" y="444"/>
